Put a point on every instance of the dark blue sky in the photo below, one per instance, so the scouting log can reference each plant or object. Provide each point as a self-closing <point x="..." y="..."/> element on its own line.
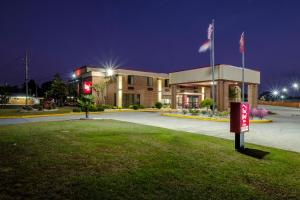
<point x="154" y="35"/>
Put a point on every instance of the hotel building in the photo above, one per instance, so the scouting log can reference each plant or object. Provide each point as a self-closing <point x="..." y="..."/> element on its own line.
<point x="181" y="89"/>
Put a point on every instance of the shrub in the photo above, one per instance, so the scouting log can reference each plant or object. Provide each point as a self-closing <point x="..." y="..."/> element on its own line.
<point x="158" y="105"/>
<point x="135" y="107"/>
<point x="93" y="108"/>
<point x="166" y="105"/>
<point x="261" y="113"/>
<point x="184" y="111"/>
<point x="203" y="112"/>
<point x="100" y="108"/>
<point x="77" y="109"/>
<point x="49" y="105"/>
<point x="194" y="111"/>
<point x="206" y="103"/>
<point x="142" y="107"/>
<point x="253" y="112"/>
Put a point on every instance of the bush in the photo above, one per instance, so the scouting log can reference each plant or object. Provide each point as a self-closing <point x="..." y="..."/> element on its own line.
<point x="93" y="108"/>
<point x="184" y="111"/>
<point x="142" y="107"/>
<point x="100" y="108"/>
<point x="203" y="112"/>
<point x="158" y="105"/>
<point x="253" y="112"/>
<point x="165" y="105"/>
<point x="206" y="103"/>
<point x="194" y="111"/>
<point x="77" y="109"/>
<point x="261" y="113"/>
<point x="49" y="105"/>
<point x="135" y="107"/>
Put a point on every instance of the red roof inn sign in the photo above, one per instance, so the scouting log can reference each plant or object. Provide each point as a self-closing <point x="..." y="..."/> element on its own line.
<point x="87" y="87"/>
<point x="239" y="121"/>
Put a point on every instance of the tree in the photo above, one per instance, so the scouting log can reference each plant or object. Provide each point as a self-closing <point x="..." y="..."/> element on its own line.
<point x="46" y="87"/>
<point x="4" y="95"/>
<point x="58" y="90"/>
<point x="100" y="89"/>
<point x="86" y="102"/>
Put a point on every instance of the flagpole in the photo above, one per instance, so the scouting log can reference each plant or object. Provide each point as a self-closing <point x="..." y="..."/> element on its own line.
<point x="243" y="70"/>
<point x="213" y="65"/>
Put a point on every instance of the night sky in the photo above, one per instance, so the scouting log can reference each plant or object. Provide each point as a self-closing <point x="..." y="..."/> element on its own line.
<point x="154" y="35"/>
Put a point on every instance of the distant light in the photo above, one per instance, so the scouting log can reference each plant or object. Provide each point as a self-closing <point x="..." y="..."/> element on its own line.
<point x="275" y="93"/>
<point x="110" y="72"/>
<point x="73" y="75"/>
<point x="285" y="90"/>
<point x="282" y="97"/>
<point x="295" y="86"/>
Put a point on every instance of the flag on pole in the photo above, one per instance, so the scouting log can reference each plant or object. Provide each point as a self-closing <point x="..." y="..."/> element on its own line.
<point x="207" y="44"/>
<point x="242" y="43"/>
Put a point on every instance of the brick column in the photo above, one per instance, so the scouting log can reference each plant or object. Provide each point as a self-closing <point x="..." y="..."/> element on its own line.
<point x="174" y="100"/>
<point x="207" y="93"/>
<point x="252" y="95"/>
<point x="222" y="95"/>
<point x="119" y="93"/>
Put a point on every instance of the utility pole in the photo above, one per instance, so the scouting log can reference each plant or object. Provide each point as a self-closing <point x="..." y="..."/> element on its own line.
<point x="26" y="75"/>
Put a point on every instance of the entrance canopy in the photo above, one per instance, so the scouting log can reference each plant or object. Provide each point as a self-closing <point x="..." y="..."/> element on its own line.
<point x="222" y="72"/>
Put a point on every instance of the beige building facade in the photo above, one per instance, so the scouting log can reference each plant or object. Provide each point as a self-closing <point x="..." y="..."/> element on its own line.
<point x="182" y="89"/>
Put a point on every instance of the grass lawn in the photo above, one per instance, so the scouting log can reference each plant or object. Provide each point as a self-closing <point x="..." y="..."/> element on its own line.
<point x="106" y="159"/>
<point x="16" y="112"/>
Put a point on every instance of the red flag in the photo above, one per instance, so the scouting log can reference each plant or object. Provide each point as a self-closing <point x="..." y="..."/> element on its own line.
<point x="242" y="43"/>
<point x="209" y="31"/>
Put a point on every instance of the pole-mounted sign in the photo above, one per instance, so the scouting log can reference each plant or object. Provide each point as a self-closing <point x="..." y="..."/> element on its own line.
<point x="239" y="122"/>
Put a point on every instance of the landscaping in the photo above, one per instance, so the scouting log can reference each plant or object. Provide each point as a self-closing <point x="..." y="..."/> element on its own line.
<point x="106" y="159"/>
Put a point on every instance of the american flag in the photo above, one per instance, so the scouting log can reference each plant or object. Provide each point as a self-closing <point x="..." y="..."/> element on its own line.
<point x="209" y="31"/>
<point x="242" y="43"/>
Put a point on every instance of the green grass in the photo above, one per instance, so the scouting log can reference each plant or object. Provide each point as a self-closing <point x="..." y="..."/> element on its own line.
<point x="16" y="112"/>
<point x="106" y="159"/>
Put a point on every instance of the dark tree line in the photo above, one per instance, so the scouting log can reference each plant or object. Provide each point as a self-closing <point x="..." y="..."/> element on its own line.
<point x="56" y="89"/>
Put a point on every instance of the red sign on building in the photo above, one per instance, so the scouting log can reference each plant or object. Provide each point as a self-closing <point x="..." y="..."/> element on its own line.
<point x="87" y="87"/>
<point x="239" y="117"/>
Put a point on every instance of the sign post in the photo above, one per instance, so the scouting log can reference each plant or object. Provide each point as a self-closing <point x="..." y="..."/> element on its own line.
<point x="239" y="122"/>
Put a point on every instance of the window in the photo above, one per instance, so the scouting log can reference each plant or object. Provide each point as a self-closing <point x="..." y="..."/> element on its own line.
<point x="149" y="81"/>
<point x="166" y="82"/>
<point x="130" y="80"/>
<point x="130" y="99"/>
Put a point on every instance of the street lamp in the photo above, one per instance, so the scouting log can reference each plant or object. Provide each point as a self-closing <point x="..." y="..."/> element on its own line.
<point x="73" y="75"/>
<point x="275" y="93"/>
<point x="295" y="86"/>
<point x="285" y="90"/>
<point x="109" y="72"/>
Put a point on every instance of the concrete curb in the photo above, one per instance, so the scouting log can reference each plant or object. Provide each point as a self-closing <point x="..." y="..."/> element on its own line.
<point x="211" y="119"/>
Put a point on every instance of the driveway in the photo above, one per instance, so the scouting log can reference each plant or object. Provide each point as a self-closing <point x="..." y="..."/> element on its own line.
<point x="283" y="133"/>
